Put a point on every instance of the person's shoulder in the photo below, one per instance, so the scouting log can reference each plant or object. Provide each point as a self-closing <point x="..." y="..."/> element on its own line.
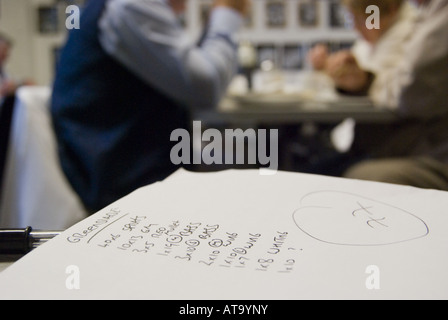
<point x="140" y="7"/>
<point x="141" y="11"/>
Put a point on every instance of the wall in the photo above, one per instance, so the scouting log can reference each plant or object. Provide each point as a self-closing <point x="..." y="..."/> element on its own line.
<point x="15" y="21"/>
<point x="32" y="55"/>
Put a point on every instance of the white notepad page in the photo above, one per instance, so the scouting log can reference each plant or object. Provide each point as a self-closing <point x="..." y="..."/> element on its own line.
<point x="242" y="236"/>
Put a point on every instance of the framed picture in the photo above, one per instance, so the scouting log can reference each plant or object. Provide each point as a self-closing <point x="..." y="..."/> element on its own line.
<point x="309" y="13"/>
<point x="183" y="20"/>
<point x="249" y="19"/>
<point x="293" y="57"/>
<point x="205" y="7"/>
<point x="335" y="46"/>
<point x="346" y="45"/>
<point x="276" y="14"/>
<point x="267" y="52"/>
<point x="79" y="3"/>
<point x="338" y="15"/>
<point x="48" y="19"/>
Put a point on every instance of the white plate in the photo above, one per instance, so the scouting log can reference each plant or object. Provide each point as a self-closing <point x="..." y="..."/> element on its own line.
<point x="270" y="100"/>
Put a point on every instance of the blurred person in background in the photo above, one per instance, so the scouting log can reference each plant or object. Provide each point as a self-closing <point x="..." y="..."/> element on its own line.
<point x="414" y="150"/>
<point x="126" y="80"/>
<point x="377" y="49"/>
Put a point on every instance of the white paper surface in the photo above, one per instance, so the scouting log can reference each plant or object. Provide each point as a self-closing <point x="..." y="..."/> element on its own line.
<point x="238" y="235"/>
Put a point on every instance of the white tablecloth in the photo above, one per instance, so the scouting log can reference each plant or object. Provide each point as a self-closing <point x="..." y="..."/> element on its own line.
<point x="36" y="192"/>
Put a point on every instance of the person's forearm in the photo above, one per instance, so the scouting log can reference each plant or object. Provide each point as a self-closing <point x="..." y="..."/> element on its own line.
<point x="363" y="91"/>
<point x="163" y="57"/>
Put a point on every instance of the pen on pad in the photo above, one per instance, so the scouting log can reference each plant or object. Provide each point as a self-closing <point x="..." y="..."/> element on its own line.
<point x="22" y="241"/>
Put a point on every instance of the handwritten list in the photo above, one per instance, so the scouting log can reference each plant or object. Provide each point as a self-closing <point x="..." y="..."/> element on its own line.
<point x="206" y="244"/>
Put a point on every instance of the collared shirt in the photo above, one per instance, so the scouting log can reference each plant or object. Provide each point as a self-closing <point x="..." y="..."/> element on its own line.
<point x="417" y="84"/>
<point x="146" y="37"/>
<point x="387" y="53"/>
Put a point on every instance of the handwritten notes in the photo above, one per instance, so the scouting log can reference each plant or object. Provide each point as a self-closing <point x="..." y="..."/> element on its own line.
<point x="196" y="242"/>
<point x="239" y="235"/>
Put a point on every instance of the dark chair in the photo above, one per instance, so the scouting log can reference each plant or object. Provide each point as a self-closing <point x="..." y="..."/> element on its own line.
<point x="6" y="113"/>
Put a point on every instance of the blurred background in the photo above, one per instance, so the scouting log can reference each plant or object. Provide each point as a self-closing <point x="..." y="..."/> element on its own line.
<point x="281" y="31"/>
<point x="277" y="88"/>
